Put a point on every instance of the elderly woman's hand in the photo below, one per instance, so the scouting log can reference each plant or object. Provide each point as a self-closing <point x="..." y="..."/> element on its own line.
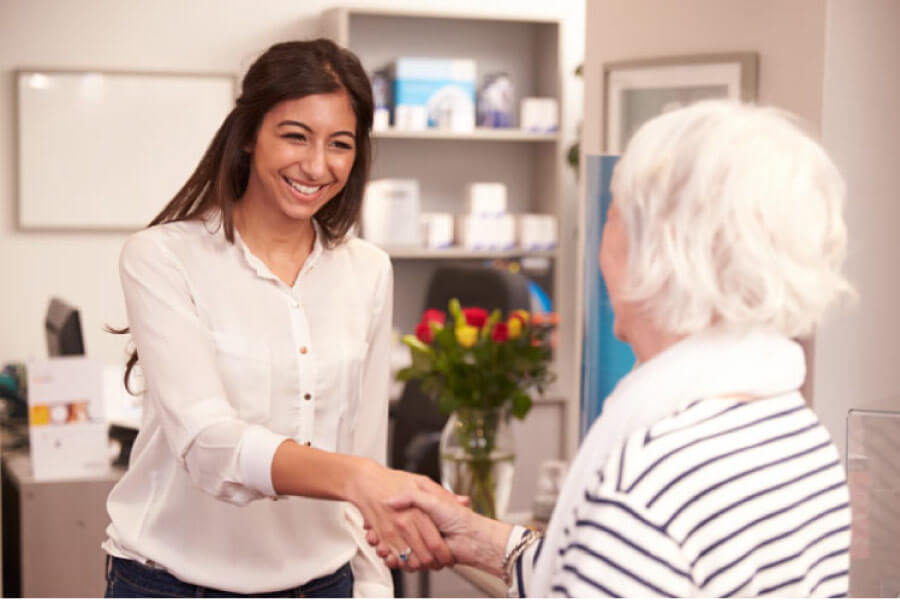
<point x="473" y="539"/>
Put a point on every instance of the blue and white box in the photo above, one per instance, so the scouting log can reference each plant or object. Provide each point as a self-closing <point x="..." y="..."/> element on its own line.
<point x="434" y="92"/>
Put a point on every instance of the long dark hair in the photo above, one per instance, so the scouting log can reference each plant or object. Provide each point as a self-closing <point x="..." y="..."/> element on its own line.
<point x="285" y="71"/>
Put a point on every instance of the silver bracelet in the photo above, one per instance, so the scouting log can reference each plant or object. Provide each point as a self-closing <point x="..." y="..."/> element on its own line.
<point x="509" y="561"/>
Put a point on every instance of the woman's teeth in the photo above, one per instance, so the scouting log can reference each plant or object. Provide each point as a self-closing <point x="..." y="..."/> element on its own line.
<point x="304" y="189"/>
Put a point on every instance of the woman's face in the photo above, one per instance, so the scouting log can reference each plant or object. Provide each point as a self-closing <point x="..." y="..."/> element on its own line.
<point x="613" y="260"/>
<point x="302" y="156"/>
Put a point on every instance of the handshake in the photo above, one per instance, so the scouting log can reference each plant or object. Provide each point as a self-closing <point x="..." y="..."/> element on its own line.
<point x="415" y="524"/>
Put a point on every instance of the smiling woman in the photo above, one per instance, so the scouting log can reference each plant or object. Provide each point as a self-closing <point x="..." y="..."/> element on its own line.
<point x="263" y="331"/>
<point x="303" y="155"/>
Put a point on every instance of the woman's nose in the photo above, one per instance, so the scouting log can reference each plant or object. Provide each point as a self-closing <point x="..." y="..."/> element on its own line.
<point x="314" y="163"/>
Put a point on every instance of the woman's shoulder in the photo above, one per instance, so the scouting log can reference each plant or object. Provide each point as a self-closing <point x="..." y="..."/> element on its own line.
<point x="364" y="253"/>
<point x="176" y="237"/>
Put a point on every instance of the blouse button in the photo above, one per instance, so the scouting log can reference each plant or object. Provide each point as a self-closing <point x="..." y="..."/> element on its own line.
<point x="307" y="396"/>
<point x="303" y="350"/>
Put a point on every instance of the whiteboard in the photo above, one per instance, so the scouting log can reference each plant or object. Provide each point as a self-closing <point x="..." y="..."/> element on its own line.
<point x="109" y="150"/>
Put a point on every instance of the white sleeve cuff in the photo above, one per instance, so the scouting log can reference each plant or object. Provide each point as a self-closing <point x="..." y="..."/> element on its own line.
<point x="258" y="446"/>
<point x="515" y="536"/>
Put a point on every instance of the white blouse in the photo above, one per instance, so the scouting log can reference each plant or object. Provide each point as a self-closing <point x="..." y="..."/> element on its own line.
<point x="234" y="363"/>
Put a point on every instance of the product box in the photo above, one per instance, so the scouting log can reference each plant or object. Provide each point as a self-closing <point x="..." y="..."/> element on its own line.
<point x="390" y="215"/>
<point x="66" y="419"/>
<point x="487" y="232"/>
<point x="437" y="230"/>
<point x="486" y="198"/>
<point x="540" y="115"/>
<point x="434" y="92"/>
<point x="381" y="95"/>
<point x="495" y="101"/>
<point x="537" y="232"/>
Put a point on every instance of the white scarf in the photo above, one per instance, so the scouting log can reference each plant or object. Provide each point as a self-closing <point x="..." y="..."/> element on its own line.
<point x="709" y="364"/>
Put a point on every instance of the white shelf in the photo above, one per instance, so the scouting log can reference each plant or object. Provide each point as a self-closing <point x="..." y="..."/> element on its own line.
<point x="413" y="253"/>
<point x="479" y="133"/>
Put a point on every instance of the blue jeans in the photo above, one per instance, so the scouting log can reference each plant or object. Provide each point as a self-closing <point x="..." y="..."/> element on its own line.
<point x="131" y="579"/>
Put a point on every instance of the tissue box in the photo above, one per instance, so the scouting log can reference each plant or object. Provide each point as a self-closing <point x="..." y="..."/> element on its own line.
<point x="437" y="230"/>
<point x="486" y="198"/>
<point x="434" y="92"/>
<point x="537" y="232"/>
<point x="390" y="215"/>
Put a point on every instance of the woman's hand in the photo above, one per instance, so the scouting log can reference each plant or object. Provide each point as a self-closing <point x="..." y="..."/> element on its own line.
<point x="473" y="539"/>
<point x="399" y="528"/>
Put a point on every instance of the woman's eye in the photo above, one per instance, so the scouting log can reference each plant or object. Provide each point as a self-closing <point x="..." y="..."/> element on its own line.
<point x="343" y="145"/>
<point x="295" y="136"/>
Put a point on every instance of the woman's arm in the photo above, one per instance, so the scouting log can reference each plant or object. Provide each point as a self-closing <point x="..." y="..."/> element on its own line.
<point x="231" y="459"/>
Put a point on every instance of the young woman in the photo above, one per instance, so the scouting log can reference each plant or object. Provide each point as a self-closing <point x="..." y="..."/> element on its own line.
<point x="263" y="332"/>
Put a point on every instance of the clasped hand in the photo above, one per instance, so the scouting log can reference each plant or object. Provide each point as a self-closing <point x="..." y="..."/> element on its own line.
<point x="386" y="499"/>
<point x="470" y="539"/>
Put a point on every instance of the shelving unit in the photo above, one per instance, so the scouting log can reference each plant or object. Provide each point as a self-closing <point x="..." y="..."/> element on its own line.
<point x="531" y="165"/>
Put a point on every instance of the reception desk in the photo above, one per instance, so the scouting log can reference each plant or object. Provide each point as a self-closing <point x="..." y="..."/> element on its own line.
<point x="52" y="531"/>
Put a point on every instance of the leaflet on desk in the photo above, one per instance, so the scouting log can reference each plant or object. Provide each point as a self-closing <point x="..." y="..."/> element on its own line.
<point x="67" y="425"/>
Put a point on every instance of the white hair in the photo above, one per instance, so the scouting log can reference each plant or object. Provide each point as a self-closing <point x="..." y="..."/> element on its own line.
<point x="733" y="217"/>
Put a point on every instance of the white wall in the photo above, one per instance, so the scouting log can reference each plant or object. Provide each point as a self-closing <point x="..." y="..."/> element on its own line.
<point x="789" y="37"/>
<point x="858" y="351"/>
<point x="163" y="35"/>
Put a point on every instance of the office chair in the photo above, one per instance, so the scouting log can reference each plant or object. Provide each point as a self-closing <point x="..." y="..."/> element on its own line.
<point x="417" y="418"/>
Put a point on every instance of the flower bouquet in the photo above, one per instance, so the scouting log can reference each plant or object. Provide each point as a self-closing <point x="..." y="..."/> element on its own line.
<point x="482" y="369"/>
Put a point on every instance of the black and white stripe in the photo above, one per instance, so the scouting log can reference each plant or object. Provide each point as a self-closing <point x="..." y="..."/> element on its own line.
<point x="722" y="499"/>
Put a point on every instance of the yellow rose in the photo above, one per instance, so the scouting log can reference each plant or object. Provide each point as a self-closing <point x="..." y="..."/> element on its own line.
<point x="514" y="326"/>
<point x="521" y="314"/>
<point x="467" y="336"/>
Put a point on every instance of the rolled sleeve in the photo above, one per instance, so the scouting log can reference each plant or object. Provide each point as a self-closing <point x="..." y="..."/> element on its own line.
<point x="258" y="446"/>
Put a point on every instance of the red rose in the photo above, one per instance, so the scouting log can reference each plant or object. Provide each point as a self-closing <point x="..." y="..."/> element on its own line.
<point x="424" y="333"/>
<point x="475" y="316"/>
<point x="432" y="315"/>
<point x="500" y="332"/>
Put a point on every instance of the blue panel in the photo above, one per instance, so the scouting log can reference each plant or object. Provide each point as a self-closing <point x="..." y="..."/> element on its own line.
<point x="605" y="360"/>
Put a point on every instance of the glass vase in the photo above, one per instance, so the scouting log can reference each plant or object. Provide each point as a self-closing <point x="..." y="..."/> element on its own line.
<point x="477" y="459"/>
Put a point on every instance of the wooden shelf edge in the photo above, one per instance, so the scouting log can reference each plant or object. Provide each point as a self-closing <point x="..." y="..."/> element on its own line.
<point x="462" y="253"/>
<point x="485" y="134"/>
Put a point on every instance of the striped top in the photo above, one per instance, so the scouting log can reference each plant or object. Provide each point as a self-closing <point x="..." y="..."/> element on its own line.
<point x="724" y="498"/>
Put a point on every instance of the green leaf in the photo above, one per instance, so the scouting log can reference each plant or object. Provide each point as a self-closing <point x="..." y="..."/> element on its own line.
<point x="421" y="361"/>
<point x="456" y="311"/>
<point x="521" y="404"/>
<point x="406" y="374"/>
<point x="448" y="402"/>
<point x="417" y="345"/>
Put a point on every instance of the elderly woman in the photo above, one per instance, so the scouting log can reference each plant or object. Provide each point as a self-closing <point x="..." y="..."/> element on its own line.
<point x="706" y="474"/>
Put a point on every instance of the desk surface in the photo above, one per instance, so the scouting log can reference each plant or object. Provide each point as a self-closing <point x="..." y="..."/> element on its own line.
<point x="18" y="465"/>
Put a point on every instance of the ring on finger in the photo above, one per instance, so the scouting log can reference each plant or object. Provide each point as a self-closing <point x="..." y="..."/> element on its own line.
<point x="404" y="555"/>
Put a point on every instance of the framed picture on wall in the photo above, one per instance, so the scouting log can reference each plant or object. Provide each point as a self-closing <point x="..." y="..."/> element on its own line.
<point x="635" y="91"/>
